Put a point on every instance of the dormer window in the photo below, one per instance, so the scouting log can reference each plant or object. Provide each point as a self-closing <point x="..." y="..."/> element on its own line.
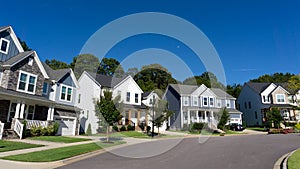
<point x="280" y="98"/>
<point x="27" y="82"/>
<point x="66" y="93"/>
<point x="4" y="45"/>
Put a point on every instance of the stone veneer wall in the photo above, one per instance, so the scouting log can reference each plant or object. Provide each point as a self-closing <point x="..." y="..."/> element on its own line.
<point x="12" y="76"/>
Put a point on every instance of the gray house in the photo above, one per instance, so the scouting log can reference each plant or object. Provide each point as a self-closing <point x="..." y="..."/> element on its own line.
<point x="193" y="104"/>
<point x="27" y="88"/>
<point x="256" y="99"/>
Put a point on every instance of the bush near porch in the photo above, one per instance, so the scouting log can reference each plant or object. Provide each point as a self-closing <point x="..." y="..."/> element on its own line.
<point x="34" y="131"/>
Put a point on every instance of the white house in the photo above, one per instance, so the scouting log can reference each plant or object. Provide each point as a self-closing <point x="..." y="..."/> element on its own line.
<point x="92" y="86"/>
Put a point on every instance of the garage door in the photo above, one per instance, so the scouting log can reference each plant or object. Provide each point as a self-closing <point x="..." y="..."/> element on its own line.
<point x="66" y="126"/>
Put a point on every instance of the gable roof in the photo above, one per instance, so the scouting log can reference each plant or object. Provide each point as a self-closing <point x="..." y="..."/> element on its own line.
<point x="184" y="89"/>
<point x="13" y="36"/>
<point x="257" y="86"/>
<point x="58" y="74"/>
<point x="106" y="81"/>
<point x="19" y="57"/>
<point x="221" y="94"/>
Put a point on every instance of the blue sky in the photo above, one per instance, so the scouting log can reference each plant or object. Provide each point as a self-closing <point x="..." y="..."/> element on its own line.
<point x="252" y="38"/>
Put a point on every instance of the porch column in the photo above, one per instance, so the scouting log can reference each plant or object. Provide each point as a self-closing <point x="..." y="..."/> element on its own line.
<point x="212" y="115"/>
<point x="198" y="120"/>
<point x="49" y="114"/>
<point x="138" y="117"/>
<point x="146" y="117"/>
<point x="189" y="117"/>
<point x="129" y="115"/>
<point x="205" y="117"/>
<point x="22" y="110"/>
<point x="52" y="114"/>
<point x="17" y="114"/>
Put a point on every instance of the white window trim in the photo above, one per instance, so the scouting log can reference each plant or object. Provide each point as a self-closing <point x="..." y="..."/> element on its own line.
<point x="9" y="111"/>
<point x="67" y="87"/>
<point x="8" y="42"/>
<point x="206" y="105"/>
<point x="195" y="98"/>
<point x="46" y="89"/>
<point x="185" y="98"/>
<point x="228" y="102"/>
<point x="27" y="82"/>
<point x="277" y="98"/>
<point x="213" y="101"/>
<point x="129" y="97"/>
<point x="136" y="98"/>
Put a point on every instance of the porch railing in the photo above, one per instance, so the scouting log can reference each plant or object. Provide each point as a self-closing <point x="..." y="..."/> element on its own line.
<point x="36" y="123"/>
<point x="18" y="128"/>
<point x="1" y="129"/>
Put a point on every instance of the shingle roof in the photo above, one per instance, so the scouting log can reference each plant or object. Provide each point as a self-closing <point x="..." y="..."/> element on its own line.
<point x="146" y="94"/>
<point x="2" y="28"/>
<point x="184" y="89"/>
<point x="258" y="87"/>
<point x="106" y="81"/>
<point x="220" y="93"/>
<point x="55" y="74"/>
<point x="17" y="58"/>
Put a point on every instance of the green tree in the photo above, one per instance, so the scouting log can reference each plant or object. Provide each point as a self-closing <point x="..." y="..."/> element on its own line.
<point x="153" y="77"/>
<point x="274" y="116"/>
<point x="274" y="78"/>
<point x="294" y="84"/>
<point x="84" y="62"/>
<point x="107" y="110"/>
<point x="24" y="45"/>
<point x="132" y="71"/>
<point x="206" y="78"/>
<point x="110" y="67"/>
<point x="55" y="64"/>
<point x="234" y="90"/>
<point x="162" y="113"/>
<point x="223" y="117"/>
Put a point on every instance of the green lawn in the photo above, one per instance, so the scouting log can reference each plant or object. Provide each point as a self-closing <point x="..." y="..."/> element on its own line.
<point x="294" y="160"/>
<point x="11" y="145"/>
<point x="60" y="139"/>
<point x="60" y="153"/>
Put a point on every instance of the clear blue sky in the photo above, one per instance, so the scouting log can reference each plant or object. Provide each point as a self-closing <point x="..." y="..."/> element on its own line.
<point x="252" y="38"/>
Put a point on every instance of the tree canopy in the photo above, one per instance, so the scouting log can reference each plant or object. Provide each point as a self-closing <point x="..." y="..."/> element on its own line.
<point x="154" y="76"/>
<point x="110" y="67"/>
<point x="206" y="78"/>
<point x="85" y="62"/>
<point x="274" y="78"/>
<point x="55" y="64"/>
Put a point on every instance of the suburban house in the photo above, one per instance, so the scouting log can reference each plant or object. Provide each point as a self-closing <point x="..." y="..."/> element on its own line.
<point x="27" y="88"/>
<point x="91" y="89"/>
<point x="192" y="104"/>
<point x="256" y="99"/>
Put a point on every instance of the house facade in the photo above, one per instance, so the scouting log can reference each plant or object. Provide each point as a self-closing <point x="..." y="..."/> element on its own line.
<point x="93" y="85"/>
<point x="23" y="94"/>
<point x="193" y="104"/>
<point x="256" y="99"/>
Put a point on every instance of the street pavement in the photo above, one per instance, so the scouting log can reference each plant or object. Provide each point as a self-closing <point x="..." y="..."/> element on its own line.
<point x="228" y="152"/>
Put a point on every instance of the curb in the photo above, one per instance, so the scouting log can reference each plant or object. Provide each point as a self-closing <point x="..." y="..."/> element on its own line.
<point x="282" y="162"/>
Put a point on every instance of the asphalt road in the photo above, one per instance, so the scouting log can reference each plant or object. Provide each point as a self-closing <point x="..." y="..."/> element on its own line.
<point x="229" y="152"/>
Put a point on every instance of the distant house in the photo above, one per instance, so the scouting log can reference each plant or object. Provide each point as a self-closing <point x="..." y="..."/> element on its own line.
<point x="256" y="99"/>
<point x="193" y="104"/>
<point x="26" y="88"/>
<point x="92" y="86"/>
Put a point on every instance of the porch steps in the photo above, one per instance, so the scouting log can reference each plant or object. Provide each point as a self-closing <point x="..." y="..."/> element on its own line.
<point x="9" y="134"/>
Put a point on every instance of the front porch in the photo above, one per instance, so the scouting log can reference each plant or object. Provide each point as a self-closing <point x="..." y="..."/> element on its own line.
<point x="195" y="115"/>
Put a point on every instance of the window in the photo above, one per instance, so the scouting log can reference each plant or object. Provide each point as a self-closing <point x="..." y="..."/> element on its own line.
<point x="245" y="105"/>
<point x="27" y="82"/>
<point x="249" y="105"/>
<point x="185" y="101"/>
<point x="30" y="112"/>
<point x="195" y="101"/>
<point x="280" y="98"/>
<point x="136" y="98"/>
<point x="211" y="101"/>
<point x="219" y="103"/>
<point x="205" y="101"/>
<point x="227" y="103"/>
<point x="12" y="112"/>
<point x="4" y="45"/>
<point x="66" y="93"/>
<point x="255" y="115"/>
<point x="128" y="97"/>
<point x="30" y="62"/>
<point x="45" y="88"/>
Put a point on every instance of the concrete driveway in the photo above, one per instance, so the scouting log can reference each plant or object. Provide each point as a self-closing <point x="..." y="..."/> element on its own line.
<point x="244" y="151"/>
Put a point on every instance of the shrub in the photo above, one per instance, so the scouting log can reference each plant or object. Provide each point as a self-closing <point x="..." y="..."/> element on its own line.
<point x="89" y="130"/>
<point x="123" y="128"/>
<point x="197" y="126"/>
<point x="44" y="131"/>
<point x="297" y="126"/>
<point x="50" y="130"/>
<point x="130" y="128"/>
<point x="55" y="128"/>
<point x="115" y="128"/>
<point x="36" y="131"/>
<point x="148" y="129"/>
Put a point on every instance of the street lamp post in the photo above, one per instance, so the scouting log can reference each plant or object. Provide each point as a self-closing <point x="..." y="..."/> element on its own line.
<point x="153" y="103"/>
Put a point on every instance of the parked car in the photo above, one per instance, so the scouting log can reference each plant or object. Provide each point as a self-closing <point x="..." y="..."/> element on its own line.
<point x="236" y="127"/>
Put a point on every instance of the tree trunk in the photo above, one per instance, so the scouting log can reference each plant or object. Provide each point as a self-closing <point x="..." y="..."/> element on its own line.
<point x="107" y="128"/>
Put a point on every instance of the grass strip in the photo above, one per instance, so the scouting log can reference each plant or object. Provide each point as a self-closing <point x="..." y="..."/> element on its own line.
<point x="12" y="145"/>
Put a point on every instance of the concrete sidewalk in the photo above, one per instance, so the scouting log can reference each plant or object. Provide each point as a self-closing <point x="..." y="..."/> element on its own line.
<point x="51" y="145"/>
